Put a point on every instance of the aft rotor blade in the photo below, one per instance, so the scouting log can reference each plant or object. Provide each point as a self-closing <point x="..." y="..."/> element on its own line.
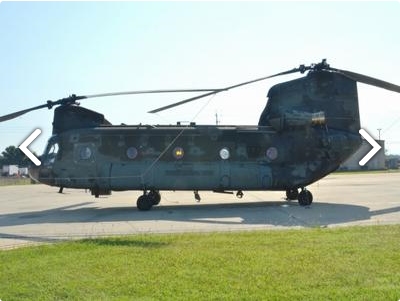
<point x="369" y="80"/>
<point x="149" y="92"/>
<point x="224" y="89"/>
<point x="19" y="113"/>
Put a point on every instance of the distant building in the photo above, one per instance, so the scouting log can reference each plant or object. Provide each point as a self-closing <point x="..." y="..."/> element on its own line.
<point x="13" y="170"/>
<point x="23" y="171"/>
<point x="9" y="170"/>
<point x="376" y="162"/>
<point x="393" y="162"/>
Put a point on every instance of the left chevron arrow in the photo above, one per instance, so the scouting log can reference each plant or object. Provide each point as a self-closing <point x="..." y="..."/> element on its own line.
<point x="24" y="147"/>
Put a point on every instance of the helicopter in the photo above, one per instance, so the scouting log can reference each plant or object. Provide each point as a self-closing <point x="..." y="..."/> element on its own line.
<point x="309" y="126"/>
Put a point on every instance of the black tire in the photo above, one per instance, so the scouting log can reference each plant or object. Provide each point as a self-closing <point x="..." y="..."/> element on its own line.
<point x="144" y="203"/>
<point x="155" y="197"/>
<point x="305" y="198"/>
<point x="292" y="194"/>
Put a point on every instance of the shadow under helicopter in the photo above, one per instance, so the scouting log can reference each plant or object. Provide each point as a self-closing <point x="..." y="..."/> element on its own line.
<point x="244" y="215"/>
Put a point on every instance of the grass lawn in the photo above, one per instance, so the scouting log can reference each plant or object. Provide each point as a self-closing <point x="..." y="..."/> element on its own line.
<point x="356" y="263"/>
<point x="7" y="181"/>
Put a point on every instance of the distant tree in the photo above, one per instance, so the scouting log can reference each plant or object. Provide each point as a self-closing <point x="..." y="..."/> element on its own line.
<point x="13" y="156"/>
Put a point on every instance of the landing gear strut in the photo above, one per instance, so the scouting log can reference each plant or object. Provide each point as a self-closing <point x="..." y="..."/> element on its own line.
<point x="197" y="196"/>
<point x="305" y="197"/>
<point x="292" y="194"/>
<point x="148" y="200"/>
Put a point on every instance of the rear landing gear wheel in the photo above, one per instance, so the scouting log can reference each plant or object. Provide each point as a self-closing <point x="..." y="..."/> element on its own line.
<point x="305" y="197"/>
<point x="292" y="194"/>
<point x="144" y="202"/>
<point x="155" y="197"/>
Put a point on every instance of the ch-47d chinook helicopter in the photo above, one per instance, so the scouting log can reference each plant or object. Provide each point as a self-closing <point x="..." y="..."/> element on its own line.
<point x="309" y="126"/>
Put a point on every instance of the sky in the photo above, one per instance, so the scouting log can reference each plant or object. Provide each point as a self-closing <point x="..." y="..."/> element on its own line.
<point x="50" y="50"/>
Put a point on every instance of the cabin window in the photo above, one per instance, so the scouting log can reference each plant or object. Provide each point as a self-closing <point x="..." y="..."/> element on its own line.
<point x="132" y="152"/>
<point x="85" y="153"/>
<point x="224" y="153"/>
<point x="272" y="153"/>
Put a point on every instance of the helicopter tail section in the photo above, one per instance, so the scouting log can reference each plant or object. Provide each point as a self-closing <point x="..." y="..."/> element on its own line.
<point x="318" y="115"/>
<point x="322" y="98"/>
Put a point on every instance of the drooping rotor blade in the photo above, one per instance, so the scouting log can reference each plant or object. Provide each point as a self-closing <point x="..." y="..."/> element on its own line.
<point x="73" y="98"/>
<point x="19" y="113"/>
<point x="63" y="101"/>
<point x="369" y="80"/>
<point x="302" y="68"/>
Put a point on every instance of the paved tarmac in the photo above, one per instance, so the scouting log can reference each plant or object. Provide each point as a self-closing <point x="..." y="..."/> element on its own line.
<point x="34" y="214"/>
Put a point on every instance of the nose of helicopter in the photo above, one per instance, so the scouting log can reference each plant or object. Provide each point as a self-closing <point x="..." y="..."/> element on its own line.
<point x="33" y="172"/>
<point x="42" y="173"/>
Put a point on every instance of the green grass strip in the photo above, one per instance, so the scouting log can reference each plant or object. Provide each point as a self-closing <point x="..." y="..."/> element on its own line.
<point x="356" y="263"/>
<point x="14" y="181"/>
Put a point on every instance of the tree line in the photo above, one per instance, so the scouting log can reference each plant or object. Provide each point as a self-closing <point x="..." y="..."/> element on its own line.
<point x="14" y="156"/>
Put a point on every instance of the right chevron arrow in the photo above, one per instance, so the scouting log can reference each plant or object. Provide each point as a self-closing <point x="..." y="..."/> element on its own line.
<point x="375" y="147"/>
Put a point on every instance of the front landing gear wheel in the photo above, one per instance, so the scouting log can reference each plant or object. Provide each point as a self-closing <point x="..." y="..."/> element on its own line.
<point x="305" y="198"/>
<point x="144" y="203"/>
<point x="292" y="194"/>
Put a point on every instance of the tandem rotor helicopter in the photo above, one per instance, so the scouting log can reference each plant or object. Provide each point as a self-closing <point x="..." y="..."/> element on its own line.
<point x="308" y="128"/>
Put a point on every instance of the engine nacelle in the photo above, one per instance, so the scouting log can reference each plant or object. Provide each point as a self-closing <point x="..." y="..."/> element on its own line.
<point x="297" y="119"/>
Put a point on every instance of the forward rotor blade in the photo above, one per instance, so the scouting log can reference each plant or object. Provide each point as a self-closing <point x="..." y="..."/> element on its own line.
<point x="63" y="101"/>
<point x="19" y="113"/>
<point x="369" y="80"/>
<point x="224" y="89"/>
<point x="73" y="98"/>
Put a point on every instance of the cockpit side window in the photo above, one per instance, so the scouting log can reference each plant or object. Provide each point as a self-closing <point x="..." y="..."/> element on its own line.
<point x="53" y="149"/>
<point x="51" y="152"/>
